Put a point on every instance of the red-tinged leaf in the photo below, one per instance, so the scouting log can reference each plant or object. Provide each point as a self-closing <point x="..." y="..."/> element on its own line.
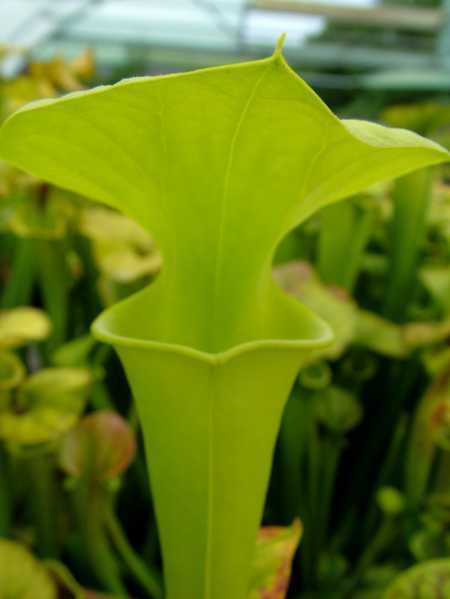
<point x="275" y="549"/>
<point x="101" y="446"/>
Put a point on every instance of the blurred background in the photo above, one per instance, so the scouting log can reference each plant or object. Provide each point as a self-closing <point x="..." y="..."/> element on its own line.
<point x="363" y="457"/>
<point x="340" y="47"/>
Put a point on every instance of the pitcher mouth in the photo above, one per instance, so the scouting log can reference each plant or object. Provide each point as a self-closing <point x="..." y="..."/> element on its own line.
<point x="105" y="328"/>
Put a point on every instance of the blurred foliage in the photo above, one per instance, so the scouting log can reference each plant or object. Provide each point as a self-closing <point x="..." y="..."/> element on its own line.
<point x="430" y="579"/>
<point x="21" y="575"/>
<point x="363" y="457"/>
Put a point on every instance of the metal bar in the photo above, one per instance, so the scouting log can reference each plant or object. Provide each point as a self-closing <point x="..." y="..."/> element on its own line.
<point x="217" y="15"/>
<point x="26" y="38"/>
<point x="418" y="19"/>
<point x="55" y="17"/>
<point x="436" y="80"/>
<point x="27" y="23"/>
<point x="443" y="42"/>
<point x="76" y="15"/>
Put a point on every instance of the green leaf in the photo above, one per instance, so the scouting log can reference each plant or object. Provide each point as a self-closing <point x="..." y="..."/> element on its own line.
<point x="437" y="280"/>
<point x="425" y="117"/>
<point x="76" y="352"/>
<point x="31" y="217"/>
<point x="124" y="251"/>
<point x="437" y="359"/>
<point x="124" y="265"/>
<point x="178" y="154"/>
<point x="218" y="165"/>
<point x="375" y="581"/>
<point x="430" y="580"/>
<point x="275" y="549"/>
<point x="45" y="406"/>
<point x="108" y="226"/>
<point x="21" y="576"/>
<point x="439" y="215"/>
<point x="12" y="371"/>
<point x="332" y="304"/>
<point x="380" y="335"/>
<point x="351" y="324"/>
<point x="20" y="326"/>
<point x="420" y="334"/>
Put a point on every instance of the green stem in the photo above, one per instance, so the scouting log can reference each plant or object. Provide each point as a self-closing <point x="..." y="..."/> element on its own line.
<point x="133" y="418"/>
<point x="311" y="491"/>
<point x="387" y="472"/>
<point x="344" y="233"/>
<point x="384" y="536"/>
<point x="331" y="451"/>
<point x="411" y="196"/>
<point x="395" y="382"/>
<point x="100" y="398"/>
<point x="292" y="445"/>
<point x="293" y="247"/>
<point x="88" y="284"/>
<point x="54" y="283"/>
<point x="147" y="577"/>
<point x="380" y="541"/>
<point x="5" y="499"/>
<point x="151" y="546"/>
<point x="20" y="283"/>
<point x="91" y="507"/>
<point x="44" y="504"/>
<point x="65" y="579"/>
<point x="441" y="482"/>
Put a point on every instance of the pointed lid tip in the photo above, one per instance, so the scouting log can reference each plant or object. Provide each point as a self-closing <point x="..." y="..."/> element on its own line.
<point x="279" y="47"/>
